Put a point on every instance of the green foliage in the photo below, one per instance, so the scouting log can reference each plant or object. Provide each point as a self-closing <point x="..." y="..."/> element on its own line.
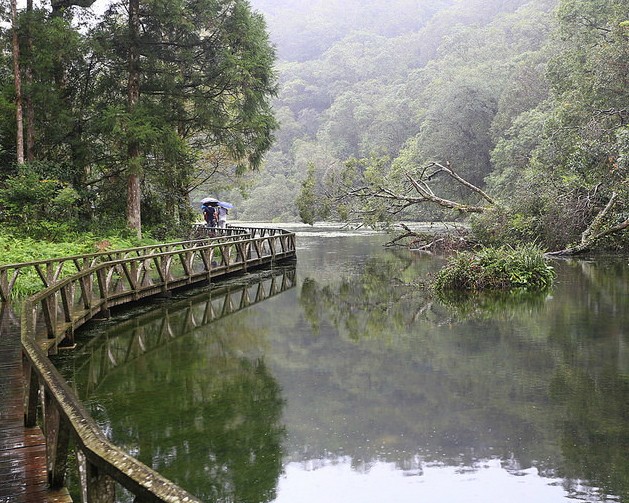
<point x="307" y="198"/>
<point x="205" y="93"/>
<point x="570" y="148"/>
<point x="502" y="268"/>
<point x="38" y="207"/>
<point x="273" y="201"/>
<point x="427" y="94"/>
<point x="18" y="249"/>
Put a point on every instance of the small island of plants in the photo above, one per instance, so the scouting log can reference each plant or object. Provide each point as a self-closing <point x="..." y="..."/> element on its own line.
<point x="496" y="269"/>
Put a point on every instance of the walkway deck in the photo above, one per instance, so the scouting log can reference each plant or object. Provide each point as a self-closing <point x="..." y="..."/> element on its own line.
<point x="51" y="317"/>
<point x="23" y="475"/>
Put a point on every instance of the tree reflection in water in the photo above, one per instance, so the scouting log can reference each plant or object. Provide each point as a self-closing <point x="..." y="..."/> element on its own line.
<point x="520" y="376"/>
<point x="189" y="404"/>
<point x="360" y="368"/>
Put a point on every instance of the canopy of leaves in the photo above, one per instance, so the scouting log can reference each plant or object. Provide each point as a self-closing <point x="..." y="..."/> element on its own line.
<point x="204" y="112"/>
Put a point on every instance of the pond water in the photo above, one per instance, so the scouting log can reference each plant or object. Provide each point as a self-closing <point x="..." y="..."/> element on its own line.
<point x="339" y="379"/>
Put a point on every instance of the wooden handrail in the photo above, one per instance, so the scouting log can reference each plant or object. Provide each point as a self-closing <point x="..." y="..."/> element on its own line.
<point x="50" y="270"/>
<point x="72" y="301"/>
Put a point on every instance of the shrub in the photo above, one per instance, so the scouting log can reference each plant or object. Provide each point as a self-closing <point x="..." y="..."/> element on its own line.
<point x="38" y="207"/>
<point x="503" y="269"/>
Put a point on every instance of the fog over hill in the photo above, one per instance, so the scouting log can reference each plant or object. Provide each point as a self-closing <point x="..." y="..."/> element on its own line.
<point x="358" y="77"/>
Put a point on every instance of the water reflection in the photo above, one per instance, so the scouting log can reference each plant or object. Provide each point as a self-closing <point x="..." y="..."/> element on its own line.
<point x="359" y="384"/>
<point x="482" y="379"/>
<point x="183" y="392"/>
<point x="435" y="483"/>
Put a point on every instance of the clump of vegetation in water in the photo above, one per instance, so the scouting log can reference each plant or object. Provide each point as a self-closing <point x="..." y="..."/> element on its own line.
<point x="496" y="269"/>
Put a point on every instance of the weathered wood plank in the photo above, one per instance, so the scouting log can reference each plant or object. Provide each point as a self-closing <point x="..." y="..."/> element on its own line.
<point x="23" y="472"/>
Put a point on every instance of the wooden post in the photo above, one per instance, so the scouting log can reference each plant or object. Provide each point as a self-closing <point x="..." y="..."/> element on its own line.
<point x="31" y="392"/>
<point x="57" y="440"/>
<point x="96" y="487"/>
<point x="49" y="318"/>
<point x="67" y="301"/>
<point x="4" y="285"/>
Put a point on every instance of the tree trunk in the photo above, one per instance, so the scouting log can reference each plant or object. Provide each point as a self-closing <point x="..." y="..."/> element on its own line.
<point x="28" y="71"/>
<point x="19" y="144"/>
<point x="133" y="187"/>
<point x="589" y="237"/>
<point x="133" y="204"/>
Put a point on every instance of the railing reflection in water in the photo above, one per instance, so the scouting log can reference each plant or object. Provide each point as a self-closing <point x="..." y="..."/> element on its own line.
<point x="50" y="318"/>
<point x="149" y="331"/>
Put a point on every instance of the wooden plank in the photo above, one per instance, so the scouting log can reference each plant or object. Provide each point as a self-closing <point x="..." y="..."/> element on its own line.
<point x="23" y="472"/>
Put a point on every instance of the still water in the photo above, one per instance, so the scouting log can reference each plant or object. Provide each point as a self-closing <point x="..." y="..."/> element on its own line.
<point x="339" y="379"/>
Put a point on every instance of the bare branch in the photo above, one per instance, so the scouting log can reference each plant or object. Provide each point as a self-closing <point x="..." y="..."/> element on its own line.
<point x="408" y="234"/>
<point x="462" y="181"/>
<point x="444" y="202"/>
<point x="587" y="238"/>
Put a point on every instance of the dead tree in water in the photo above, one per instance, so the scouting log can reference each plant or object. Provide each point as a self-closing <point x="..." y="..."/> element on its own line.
<point x="398" y="201"/>
<point x="446" y="240"/>
<point x="589" y="237"/>
<point x="421" y="186"/>
<point x="419" y="191"/>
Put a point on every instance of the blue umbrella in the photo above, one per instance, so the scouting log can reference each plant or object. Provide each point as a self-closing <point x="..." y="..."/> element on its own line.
<point x="225" y="205"/>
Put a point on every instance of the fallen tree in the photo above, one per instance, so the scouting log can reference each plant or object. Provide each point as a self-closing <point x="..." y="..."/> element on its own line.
<point x="394" y="199"/>
<point x="400" y="200"/>
<point x="589" y="237"/>
<point x="381" y="201"/>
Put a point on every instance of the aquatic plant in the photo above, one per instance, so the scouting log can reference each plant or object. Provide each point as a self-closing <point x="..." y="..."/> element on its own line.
<point x="503" y="269"/>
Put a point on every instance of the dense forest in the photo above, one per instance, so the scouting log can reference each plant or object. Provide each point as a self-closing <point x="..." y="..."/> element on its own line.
<point x="120" y="116"/>
<point x="509" y="111"/>
<point x="525" y="100"/>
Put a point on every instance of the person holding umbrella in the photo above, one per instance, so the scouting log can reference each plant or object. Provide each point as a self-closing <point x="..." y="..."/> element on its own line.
<point x="209" y="210"/>
<point x="223" y="211"/>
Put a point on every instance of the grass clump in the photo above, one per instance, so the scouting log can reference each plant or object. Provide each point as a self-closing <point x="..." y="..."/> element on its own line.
<point x="496" y="269"/>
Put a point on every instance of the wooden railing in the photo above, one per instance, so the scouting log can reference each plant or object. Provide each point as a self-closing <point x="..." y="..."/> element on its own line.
<point x="51" y="270"/>
<point x="202" y="230"/>
<point x="50" y="318"/>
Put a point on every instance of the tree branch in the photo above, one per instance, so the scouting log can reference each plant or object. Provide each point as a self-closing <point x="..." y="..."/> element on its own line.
<point x="587" y="238"/>
<point x="467" y="184"/>
<point x="446" y="203"/>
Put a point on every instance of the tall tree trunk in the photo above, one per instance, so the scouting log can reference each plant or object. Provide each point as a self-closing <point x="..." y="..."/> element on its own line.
<point x="133" y="150"/>
<point x="28" y="71"/>
<point x="18" y="87"/>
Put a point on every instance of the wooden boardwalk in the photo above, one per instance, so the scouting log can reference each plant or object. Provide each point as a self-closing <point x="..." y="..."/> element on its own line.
<point x="51" y="316"/>
<point x="23" y="475"/>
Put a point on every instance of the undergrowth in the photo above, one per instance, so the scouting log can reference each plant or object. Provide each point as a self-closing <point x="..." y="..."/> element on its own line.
<point x="14" y="250"/>
<point x="496" y="269"/>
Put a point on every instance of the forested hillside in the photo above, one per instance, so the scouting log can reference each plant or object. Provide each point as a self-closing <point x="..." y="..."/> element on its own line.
<point x="512" y="110"/>
<point x="523" y="99"/>
<point x="392" y="78"/>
